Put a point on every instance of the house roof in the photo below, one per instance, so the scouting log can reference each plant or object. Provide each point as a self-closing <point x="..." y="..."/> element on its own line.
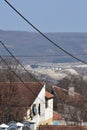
<point x="49" y="95"/>
<point x="57" y="116"/>
<point x="56" y="127"/>
<point x="26" y="94"/>
<point x="64" y="97"/>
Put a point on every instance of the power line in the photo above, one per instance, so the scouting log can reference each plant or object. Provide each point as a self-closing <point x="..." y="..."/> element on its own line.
<point x="51" y="41"/>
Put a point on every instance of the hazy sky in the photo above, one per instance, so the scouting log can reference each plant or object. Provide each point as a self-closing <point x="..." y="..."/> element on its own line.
<point x="46" y="15"/>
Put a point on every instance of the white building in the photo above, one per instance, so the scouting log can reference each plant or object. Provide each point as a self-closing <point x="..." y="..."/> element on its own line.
<point x="41" y="109"/>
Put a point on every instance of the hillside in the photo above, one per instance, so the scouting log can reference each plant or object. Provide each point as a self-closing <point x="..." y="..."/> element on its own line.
<point x="32" y="47"/>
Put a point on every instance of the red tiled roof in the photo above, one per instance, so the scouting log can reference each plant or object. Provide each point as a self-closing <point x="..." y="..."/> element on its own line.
<point x="57" y="116"/>
<point x="25" y="93"/>
<point x="49" y="95"/>
<point x="65" y="97"/>
<point x="61" y="90"/>
<point x="51" y="127"/>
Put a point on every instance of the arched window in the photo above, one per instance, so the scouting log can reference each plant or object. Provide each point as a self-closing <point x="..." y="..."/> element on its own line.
<point x="34" y="109"/>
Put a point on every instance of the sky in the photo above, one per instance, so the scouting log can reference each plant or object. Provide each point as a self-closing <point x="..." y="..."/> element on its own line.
<point x="46" y="15"/>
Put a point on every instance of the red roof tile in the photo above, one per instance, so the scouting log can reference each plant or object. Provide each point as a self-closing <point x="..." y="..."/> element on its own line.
<point x="49" y="95"/>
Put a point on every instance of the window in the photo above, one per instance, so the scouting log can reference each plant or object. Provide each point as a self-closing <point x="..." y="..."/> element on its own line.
<point x="34" y="109"/>
<point x="46" y="104"/>
<point x="39" y="109"/>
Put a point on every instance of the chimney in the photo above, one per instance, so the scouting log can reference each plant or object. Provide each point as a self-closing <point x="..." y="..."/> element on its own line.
<point x="71" y="89"/>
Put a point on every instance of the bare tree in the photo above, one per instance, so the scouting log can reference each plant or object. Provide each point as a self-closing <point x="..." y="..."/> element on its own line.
<point x="10" y="105"/>
<point x="72" y="107"/>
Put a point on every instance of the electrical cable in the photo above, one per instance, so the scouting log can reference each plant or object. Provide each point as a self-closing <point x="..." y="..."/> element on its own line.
<point x="51" y="41"/>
